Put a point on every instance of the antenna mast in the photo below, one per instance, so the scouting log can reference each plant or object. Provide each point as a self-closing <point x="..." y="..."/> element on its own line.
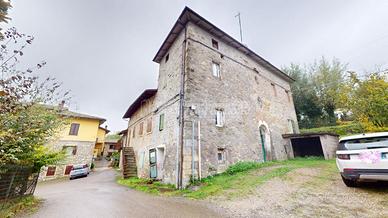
<point x="239" y="22"/>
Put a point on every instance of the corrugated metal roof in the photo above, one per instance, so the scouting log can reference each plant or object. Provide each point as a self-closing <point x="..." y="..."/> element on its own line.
<point x="190" y="15"/>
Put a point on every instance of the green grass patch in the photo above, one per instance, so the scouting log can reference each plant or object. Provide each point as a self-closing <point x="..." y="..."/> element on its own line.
<point x="351" y="128"/>
<point x="17" y="206"/>
<point x="147" y="185"/>
<point x="238" y="180"/>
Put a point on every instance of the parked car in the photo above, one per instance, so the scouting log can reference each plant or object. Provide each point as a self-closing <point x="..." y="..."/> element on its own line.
<point x="363" y="157"/>
<point x="79" y="171"/>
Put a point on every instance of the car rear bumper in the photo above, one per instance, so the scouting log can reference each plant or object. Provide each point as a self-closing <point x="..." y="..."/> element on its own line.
<point x="366" y="174"/>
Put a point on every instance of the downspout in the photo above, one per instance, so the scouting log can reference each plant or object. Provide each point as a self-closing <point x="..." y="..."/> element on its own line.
<point x="199" y="151"/>
<point x="192" y="150"/>
<point x="181" y="110"/>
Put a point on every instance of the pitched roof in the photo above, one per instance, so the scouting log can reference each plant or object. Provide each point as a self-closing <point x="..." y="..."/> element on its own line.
<point x="190" y="15"/>
<point x="80" y="115"/>
<point x="105" y="129"/>
<point x="137" y="103"/>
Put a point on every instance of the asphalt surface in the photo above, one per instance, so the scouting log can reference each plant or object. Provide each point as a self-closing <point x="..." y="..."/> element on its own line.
<point x="98" y="195"/>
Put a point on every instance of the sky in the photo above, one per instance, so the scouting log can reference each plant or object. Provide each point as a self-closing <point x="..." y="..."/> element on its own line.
<point x="102" y="50"/>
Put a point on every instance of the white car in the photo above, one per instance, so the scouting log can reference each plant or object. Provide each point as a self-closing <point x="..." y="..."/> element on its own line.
<point x="363" y="157"/>
<point x="79" y="171"/>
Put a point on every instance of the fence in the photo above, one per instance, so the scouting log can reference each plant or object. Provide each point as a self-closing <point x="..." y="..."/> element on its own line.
<point x="17" y="181"/>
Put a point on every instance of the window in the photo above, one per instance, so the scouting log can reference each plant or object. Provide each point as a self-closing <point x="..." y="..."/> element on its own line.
<point x="134" y="132"/>
<point x="149" y="125"/>
<point x="214" y="44"/>
<point x="219" y="117"/>
<point x="50" y="171"/>
<point x="221" y="155"/>
<point x="68" y="169"/>
<point x="167" y="57"/>
<point x="141" y="128"/>
<point x="74" y="127"/>
<point x="141" y="159"/>
<point x="111" y="147"/>
<point x="288" y="95"/>
<point x="161" y="122"/>
<point x="70" y="150"/>
<point x="274" y="89"/>
<point x="216" y="69"/>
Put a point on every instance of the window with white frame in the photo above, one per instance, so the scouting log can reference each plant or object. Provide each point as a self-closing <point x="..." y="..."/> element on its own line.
<point x="220" y="117"/>
<point x="216" y="69"/>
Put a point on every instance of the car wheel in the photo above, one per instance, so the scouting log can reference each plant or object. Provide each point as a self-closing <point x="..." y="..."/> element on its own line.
<point x="349" y="182"/>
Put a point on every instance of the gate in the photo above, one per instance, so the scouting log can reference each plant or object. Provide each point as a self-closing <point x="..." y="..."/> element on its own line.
<point x="17" y="181"/>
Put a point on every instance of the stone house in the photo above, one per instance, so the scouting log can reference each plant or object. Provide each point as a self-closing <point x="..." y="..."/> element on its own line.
<point x="217" y="103"/>
<point x="111" y="145"/>
<point x="80" y="138"/>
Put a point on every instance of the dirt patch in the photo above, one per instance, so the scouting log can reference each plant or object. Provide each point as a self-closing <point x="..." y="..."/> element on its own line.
<point x="309" y="192"/>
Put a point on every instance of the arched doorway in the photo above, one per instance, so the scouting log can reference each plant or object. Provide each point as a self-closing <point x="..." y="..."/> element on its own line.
<point x="265" y="142"/>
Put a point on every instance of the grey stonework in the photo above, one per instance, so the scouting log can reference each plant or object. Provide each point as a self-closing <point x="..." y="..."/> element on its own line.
<point x="245" y="92"/>
<point x="84" y="155"/>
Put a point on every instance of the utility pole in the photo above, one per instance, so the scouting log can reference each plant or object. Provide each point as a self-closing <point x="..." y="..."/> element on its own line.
<point x="239" y="22"/>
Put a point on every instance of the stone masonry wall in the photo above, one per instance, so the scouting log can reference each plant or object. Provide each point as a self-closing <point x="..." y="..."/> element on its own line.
<point x="250" y="95"/>
<point x="166" y="101"/>
<point x="84" y="155"/>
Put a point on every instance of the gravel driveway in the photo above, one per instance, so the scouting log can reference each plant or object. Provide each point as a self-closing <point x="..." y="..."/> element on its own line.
<point x="98" y="195"/>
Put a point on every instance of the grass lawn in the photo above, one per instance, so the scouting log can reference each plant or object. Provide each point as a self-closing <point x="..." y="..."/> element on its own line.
<point x="18" y="206"/>
<point x="238" y="180"/>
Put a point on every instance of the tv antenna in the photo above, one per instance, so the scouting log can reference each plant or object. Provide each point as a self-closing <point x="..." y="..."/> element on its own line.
<point x="239" y="22"/>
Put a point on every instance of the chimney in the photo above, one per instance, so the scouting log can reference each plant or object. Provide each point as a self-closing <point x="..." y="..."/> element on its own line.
<point x="61" y="105"/>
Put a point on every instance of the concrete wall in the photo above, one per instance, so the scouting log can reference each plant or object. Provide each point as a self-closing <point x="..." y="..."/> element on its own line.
<point x="329" y="145"/>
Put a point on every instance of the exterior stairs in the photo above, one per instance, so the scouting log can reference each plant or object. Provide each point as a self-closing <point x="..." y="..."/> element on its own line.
<point x="129" y="163"/>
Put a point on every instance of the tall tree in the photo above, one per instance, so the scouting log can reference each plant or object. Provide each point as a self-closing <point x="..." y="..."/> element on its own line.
<point x="328" y="77"/>
<point x="306" y="101"/>
<point x="367" y="98"/>
<point x="26" y="123"/>
<point x="316" y="91"/>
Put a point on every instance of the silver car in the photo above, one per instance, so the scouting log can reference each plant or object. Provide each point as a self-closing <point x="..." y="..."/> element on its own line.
<point x="79" y="171"/>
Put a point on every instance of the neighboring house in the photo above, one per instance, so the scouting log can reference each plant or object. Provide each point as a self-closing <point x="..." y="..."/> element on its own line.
<point x="111" y="145"/>
<point x="100" y="144"/>
<point x="217" y="103"/>
<point x="123" y="143"/>
<point x="79" y="138"/>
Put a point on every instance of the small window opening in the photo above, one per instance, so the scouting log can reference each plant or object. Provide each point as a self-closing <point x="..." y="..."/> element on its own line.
<point x="214" y="44"/>
<point x="216" y="69"/>
<point x="134" y="132"/>
<point x="74" y="127"/>
<point x="161" y="122"/>
<point x="221" y="155"/>
<point x="288" y="95"/>
<point x="167" y="57"/>
<point x="141" y="128"/>
<point x="220" y="117"/>
<point x="149" y="125"/>
<point x="274" y="89"/>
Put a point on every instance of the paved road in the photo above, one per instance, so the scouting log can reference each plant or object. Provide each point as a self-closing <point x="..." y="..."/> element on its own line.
<point x="99" y="196"/>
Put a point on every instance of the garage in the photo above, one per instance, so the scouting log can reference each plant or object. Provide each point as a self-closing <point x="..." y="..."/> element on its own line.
<point x="312" y="144"/>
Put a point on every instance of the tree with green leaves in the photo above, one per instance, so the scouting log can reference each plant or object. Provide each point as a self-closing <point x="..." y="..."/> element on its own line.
<point x="26" y="122"/>
<point x="306" y="101"/>
<point x="316" y="91"/>
<point x="4" y="7"/>
<point x="367" y="99"/>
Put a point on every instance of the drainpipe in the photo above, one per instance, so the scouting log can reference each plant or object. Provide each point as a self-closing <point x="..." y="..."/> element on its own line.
<point x="192" y="149"/>
<point x="181" y="110"/>
<point x="199" y="151"/>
